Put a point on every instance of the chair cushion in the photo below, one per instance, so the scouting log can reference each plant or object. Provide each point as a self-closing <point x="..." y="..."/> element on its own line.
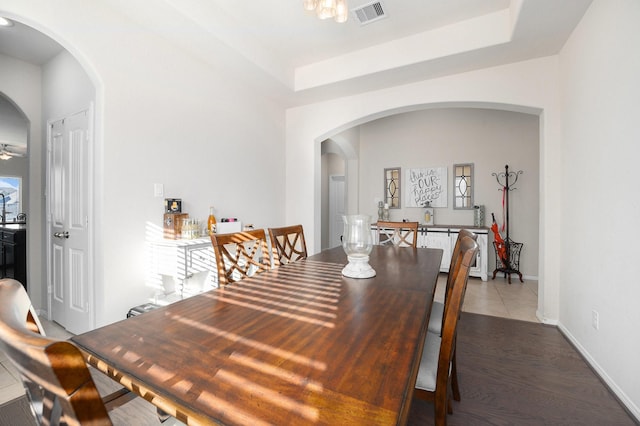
<point x="429" y="363"/>
<point x="435" y="320"/>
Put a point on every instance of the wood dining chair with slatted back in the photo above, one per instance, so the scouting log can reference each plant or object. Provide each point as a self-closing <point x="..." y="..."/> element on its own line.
<point x="240" y="255"/>
<point x="54" y="373"/>
<point x="435" y="372"/>
<point x="25" y="310"/>
<point x="401" y="234"/>
<point x="437" y="308"/>
<point x="287" y="244"/>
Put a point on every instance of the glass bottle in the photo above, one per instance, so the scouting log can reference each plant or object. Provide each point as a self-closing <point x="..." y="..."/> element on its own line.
<point x="428" y="213"/>
<point x="211" y="222"/>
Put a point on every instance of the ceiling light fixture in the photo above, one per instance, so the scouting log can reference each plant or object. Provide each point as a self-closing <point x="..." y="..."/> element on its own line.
<point x="4" y="22"/>
<point x="325" y="9"/>
<point x="7" y="153"/>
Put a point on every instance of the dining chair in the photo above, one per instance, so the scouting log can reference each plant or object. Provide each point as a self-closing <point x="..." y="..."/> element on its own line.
<point x="403" y="234"/>
<point x="437" y="308"/>
<point x="287" y="244"/>
<point x="22" y="304"/>
<point x="240" y="254"/>
<point x="435" y="372"/>
<point x="56" y="378"/>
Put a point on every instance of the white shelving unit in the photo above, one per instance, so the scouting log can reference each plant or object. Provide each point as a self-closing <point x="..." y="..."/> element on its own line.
<point x="178" y="261"/>
<point x="444" y="237"/>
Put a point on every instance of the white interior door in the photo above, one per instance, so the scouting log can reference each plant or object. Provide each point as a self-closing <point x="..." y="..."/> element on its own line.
<point x="336" y="209"/>
<point x="70" y="292"/>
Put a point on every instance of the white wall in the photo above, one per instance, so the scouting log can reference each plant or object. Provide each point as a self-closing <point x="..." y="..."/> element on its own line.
<point x="441" y="137"/>
<point x="66" y="87"/>
<point x="600" y="71"/>
<point x="163" y="116"/>
<point x="13" y="125"/>
<point x="21" y="82"/>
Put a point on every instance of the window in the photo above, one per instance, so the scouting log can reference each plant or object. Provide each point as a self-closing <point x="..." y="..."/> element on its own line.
<point x="463" y="186"/>
<point x="392" y="187"/>
<point x="11" y="189"/>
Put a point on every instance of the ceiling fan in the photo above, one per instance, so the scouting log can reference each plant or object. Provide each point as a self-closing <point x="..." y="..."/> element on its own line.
<point x="6" y="152"/>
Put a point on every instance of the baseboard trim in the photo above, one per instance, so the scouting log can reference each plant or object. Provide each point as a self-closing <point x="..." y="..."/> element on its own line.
<point x="621" y="396"/>
<point x="545" y="320"/>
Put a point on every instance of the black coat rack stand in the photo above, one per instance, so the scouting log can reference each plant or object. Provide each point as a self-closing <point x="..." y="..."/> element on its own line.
<point x="507" y="258"/>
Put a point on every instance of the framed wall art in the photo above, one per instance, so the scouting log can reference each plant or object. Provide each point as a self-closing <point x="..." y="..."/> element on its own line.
<point x="426" y="185"/>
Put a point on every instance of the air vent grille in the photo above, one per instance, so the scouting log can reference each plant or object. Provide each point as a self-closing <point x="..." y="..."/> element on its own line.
<point x="370" y="12"/>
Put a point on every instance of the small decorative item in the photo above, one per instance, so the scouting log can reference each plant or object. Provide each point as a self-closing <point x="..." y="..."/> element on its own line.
<point x="172" y="225"/>
<point x="173" y="205"/>
<point x="190" y="229"/>
<point x="357" y="244"/>
<point x="478" y="216"/>
<point x="380" y="210"/>
<point x="428" y="214"/>
<point x="385" y="212"/>
<point x="211" y="222"/>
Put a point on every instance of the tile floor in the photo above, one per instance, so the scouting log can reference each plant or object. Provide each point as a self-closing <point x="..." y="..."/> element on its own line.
<point x="493" y="297"/>
<point x="498" y="298"/>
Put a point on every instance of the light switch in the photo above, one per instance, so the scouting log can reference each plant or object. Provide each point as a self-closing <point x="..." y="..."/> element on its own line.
<point x="158" y="190"/>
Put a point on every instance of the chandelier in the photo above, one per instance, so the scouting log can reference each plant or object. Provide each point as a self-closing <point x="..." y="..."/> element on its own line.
<point x="336" y="9"/>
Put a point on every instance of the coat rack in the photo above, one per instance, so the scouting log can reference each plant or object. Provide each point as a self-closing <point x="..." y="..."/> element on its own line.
<point x="507" y="250"/>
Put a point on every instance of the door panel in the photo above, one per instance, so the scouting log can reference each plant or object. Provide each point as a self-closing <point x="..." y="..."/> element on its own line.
<point x="57" y="174"/>
<point x="442" y="241"/>
<point x="336" y="210"/>
<point x="77" y="281"/>
<point x="69" y="204"/>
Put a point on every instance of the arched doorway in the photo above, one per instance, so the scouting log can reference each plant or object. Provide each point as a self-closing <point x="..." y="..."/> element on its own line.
<point x="14" y="185"/>
<point x="490" y="196"/>
<point x="53" y="86"/>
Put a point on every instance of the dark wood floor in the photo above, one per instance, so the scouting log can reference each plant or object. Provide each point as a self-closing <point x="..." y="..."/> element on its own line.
<point x="511" y="373"/>
<point x="522" y="373"/>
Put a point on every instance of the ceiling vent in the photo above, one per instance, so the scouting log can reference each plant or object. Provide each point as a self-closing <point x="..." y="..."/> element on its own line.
<point x="370" y="12"/>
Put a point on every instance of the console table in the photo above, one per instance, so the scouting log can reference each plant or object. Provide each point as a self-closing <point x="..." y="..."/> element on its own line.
<point x="444" y="237"/>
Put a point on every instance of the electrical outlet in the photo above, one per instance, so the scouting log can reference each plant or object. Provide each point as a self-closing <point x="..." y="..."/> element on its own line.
<point x="595" y="319"/>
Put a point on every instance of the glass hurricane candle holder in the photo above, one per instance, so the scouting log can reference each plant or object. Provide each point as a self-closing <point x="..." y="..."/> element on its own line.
<point x="357" y="244"/>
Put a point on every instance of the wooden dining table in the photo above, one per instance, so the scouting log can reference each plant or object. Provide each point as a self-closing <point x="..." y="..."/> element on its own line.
<point x="300" y="344"/>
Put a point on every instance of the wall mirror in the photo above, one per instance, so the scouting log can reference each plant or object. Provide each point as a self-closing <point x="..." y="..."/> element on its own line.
<point x="392" y="187"/>
<point x="463" y="186"/>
